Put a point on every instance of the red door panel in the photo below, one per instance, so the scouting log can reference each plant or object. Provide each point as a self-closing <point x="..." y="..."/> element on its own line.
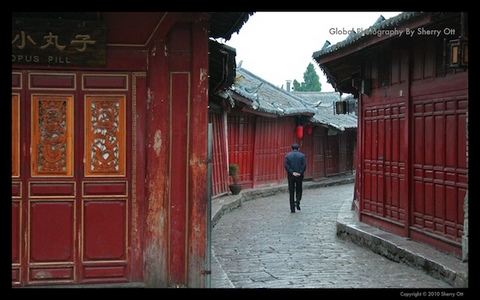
<point x="51" y="231"/>
<point x="105" y="230"/>
<point x="241" y="138"/>
<point x="440" y="164"/>
<point x="332" y="155"/>
<point x="71" y="189"/>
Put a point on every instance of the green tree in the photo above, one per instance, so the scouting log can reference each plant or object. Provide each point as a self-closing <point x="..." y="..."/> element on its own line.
<point x="311" y="81"/>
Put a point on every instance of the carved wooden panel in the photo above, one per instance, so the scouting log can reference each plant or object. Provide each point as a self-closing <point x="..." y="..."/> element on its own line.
<point x="105" y="135"/>
<point x="52" y="135"/>
<point x="15" y="135"/>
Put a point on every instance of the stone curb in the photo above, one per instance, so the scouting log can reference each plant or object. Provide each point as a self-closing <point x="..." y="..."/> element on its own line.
<point x="403" y="250"/>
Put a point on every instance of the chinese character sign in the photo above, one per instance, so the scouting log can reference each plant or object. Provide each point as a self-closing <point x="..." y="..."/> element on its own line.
<point x="58" y="42"/>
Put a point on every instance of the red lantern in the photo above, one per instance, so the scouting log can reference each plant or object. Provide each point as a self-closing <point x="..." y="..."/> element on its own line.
<point x="299" y="131"/>
<point x="309" y="129"/>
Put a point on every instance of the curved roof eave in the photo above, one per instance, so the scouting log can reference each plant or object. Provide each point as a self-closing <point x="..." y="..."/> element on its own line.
<point x="388" y="24"/>
<point x="266" y="97"/>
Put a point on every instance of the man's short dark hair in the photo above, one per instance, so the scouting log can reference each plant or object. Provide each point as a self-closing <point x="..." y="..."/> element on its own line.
<point x="295" y="146"/>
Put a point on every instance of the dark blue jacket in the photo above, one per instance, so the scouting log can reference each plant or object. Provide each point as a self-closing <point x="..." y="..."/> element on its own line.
<point x="295" y="162"/>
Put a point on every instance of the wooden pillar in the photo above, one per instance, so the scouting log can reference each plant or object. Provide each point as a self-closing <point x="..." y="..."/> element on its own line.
<point x="177" y="159"/>
<point x="156" y="183"/>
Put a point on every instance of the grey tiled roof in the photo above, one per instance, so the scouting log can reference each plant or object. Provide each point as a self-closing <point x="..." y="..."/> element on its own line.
<point x="378" y="26"/>
<point x="323" y="103"/>
<point x="266" y="97"/>
<point x="313" y="98"/>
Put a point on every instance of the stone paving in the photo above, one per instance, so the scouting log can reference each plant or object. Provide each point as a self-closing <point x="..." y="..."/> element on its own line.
<point x="263" y="245"/>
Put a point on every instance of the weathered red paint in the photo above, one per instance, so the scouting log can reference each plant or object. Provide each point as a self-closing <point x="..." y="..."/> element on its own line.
<point x="178" y="168"/>
<point x="139" y="80"/>
<point x="156" y="232"/>
<point x="197" y="159"/>
<point x="157" y="141"/>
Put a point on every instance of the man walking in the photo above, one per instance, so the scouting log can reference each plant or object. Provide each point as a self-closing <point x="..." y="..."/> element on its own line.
<point x="295" y="165"/>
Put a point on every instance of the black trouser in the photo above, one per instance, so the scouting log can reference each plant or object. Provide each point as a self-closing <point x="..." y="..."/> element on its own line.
<point x="295" y="190"/>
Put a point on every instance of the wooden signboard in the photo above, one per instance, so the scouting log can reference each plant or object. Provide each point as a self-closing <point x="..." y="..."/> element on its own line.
<point x="58" y="42"/>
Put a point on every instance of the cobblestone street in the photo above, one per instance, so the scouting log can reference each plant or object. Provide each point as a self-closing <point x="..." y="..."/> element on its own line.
<point x="263" y="245"/>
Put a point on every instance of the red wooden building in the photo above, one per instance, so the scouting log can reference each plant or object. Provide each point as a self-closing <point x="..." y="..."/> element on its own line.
<point x="335" y="133"/>
<point x="109" y="146"/>
<point x="255" y="124"/>
<point x="410" y="75"/>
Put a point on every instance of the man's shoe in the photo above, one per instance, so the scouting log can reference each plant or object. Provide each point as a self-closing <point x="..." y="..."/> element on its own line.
<point x="292" y="211"/>
<point x="298" y="206"/>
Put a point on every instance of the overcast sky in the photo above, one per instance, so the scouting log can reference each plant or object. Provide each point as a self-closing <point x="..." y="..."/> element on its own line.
<point x="278" y="46"/>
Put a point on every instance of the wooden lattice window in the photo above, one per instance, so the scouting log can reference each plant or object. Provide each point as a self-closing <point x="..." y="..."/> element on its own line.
<point x="105" y="135"/>
<point x="52" y="135"/>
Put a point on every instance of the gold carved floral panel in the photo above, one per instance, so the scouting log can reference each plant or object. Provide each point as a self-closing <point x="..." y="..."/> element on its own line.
<point x="52" y="135"/>
<point x="105" y="135"/>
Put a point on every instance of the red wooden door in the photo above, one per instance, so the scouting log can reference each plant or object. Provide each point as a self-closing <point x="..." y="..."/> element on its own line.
<point x="440" y="165"/>
<point x="318" y="167"/>
<point x="384" y="160"/>
<point x="267" y="149"/>
<point x="241" y="139"/>
<point x="332" y="155"/>
<point x="385" y="143"/>
<point x="71" y="187"/>
<point x="219" y="155"/>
